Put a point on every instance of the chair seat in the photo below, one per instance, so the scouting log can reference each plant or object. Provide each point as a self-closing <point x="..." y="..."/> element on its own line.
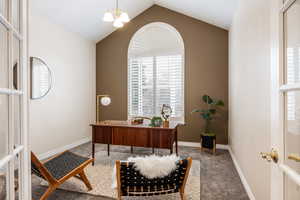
<point x="63" y="164"/>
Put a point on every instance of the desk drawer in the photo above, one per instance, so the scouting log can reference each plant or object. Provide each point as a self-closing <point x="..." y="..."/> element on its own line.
<point x="102" y="135"/>
<point x="163" y="138"/>
<point x="131" y="136"/>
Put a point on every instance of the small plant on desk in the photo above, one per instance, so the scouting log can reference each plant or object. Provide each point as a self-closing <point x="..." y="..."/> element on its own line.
<point x="156" y="122"/>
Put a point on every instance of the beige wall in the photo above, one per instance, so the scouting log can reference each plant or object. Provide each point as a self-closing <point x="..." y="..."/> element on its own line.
<point x="63" y="116"/>
<point x="249" y="93"/>
<point x="206" y="67"/>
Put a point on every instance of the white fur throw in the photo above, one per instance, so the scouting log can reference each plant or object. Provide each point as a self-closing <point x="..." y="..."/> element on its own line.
<point x="155" y="166"/>
<point x="150" y="166"/>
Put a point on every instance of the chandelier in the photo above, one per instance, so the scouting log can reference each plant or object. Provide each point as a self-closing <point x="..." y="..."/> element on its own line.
<point x="116" y="16"/>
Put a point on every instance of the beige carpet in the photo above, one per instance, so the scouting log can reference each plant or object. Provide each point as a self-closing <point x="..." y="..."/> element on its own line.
<point x="100" y="177"/>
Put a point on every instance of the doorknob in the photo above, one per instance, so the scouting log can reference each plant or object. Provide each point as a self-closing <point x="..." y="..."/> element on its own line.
<point x="272" y="156"/>
<point x="294" y="157"/>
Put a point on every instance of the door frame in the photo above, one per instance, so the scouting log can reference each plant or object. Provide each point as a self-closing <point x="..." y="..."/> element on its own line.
<point x="278" y="88"/>
<point x="22" y="151"/>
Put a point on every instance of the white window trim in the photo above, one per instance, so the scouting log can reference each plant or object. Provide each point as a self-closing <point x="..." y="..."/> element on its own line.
<point x="181" y="52"/>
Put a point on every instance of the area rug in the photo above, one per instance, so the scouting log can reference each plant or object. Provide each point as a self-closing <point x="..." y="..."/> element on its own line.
<point x="100" y="177"/>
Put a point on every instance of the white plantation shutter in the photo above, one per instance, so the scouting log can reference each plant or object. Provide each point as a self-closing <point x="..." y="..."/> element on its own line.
<point x="154" y="81"/>
<point x="169" y="84"/>
<point x="140" y="85"/>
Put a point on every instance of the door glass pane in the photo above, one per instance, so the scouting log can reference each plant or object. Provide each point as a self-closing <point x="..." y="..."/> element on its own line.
<point x="3" y="181"/>
<point x="4" y="125"/>
<point x="292" y="190"/>
<point x="17" y="182"/>
<point x="16" y="63"/>
<point x="292" y="136"/>
<point x="292" y="43"/>
<point x="16" y="14"/>
<point x="3" y="56"/>
<point x="17" y="120"/>
<point x="3" y="8"/>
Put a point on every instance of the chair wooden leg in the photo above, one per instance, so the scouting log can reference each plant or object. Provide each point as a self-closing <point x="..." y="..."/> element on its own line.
<point x="48" y="192"/>
<point x="85" y="180"/>
<point x="182" y="196"/>
<point x="119" y="195"/>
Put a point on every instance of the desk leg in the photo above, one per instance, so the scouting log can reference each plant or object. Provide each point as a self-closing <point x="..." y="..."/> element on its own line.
<point x="108" y="150"/>
<point x="93" y="153"/>
<point x="152" y="150"/>
<point x="176" y="142"/>
<point x="131" y="149"/>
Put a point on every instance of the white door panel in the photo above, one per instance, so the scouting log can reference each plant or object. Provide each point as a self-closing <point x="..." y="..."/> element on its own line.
<point x="14" y="154"/>
<point x="285" y="64"/>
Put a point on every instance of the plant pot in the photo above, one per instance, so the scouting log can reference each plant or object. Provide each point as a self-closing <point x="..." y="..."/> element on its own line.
<point x="208" y="140"/>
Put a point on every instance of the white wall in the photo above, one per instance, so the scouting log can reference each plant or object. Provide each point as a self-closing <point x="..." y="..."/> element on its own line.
<point x="64" y="115"/>
<point x="249" y="93"/>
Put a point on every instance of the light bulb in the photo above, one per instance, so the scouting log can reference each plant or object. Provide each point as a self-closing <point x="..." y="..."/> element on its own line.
<point x="124" y="17"/>
<point x="108" y="17"/>
<point x="118" y="23"/>
<point x="105" y="101"/>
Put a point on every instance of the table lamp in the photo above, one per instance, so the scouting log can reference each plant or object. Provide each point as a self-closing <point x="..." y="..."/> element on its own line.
<point x="104" y="100"/>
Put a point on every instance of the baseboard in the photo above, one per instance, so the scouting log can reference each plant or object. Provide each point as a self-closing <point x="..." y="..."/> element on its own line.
<point x="64" y="148"/>
<point x="189" y="144"/>
<point x="243" y="178"/>
<point x="196" y="144"/>
<point x="222" y="146"/>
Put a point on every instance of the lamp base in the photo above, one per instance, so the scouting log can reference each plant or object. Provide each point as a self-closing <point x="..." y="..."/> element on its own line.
<point x="166" y="124"/>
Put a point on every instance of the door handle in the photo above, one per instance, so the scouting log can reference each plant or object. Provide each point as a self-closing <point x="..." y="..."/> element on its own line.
<point x="272" y="156"/>
<point x="294" y="157"/>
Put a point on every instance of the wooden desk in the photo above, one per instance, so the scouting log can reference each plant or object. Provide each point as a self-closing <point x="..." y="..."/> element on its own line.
<point x="123" y="133"/>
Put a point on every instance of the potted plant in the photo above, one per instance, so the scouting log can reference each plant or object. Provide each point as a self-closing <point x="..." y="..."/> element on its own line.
<point x="208" y="114"/>
<point x="156" y="121"/>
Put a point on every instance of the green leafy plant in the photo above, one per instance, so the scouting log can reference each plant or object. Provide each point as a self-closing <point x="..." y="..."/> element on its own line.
<point x="210" y="112"/>
<point x="156" y="121"/>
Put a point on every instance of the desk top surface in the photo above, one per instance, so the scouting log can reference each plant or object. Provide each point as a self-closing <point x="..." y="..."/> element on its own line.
<point x="115" y="123"/>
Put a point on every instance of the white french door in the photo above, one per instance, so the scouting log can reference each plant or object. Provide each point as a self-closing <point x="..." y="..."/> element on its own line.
<point x="285" y="123"/>
<point x="14" y="155"/>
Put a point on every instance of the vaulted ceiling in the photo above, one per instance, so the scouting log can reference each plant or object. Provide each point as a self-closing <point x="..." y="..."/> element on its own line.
<point x="85" y="16"/>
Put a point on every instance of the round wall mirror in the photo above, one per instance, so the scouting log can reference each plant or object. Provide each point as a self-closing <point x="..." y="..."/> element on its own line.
<point x="41" y="78"/>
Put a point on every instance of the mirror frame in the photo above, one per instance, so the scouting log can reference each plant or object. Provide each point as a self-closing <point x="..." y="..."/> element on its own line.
<point x="31" y="74"/>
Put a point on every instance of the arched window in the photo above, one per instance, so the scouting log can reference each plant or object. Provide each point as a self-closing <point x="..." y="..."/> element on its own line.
<point x="156" y="71"/>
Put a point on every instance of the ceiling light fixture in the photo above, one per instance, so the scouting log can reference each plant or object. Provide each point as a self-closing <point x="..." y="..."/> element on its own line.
<point x="116" y="16"/>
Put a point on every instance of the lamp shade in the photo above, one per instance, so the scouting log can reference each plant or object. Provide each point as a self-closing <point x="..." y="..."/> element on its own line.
<point x="124" y="17"/>
<point x="118" y="23"/>
<point x="105" y="101"/>
<point x="108" y="17"/>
